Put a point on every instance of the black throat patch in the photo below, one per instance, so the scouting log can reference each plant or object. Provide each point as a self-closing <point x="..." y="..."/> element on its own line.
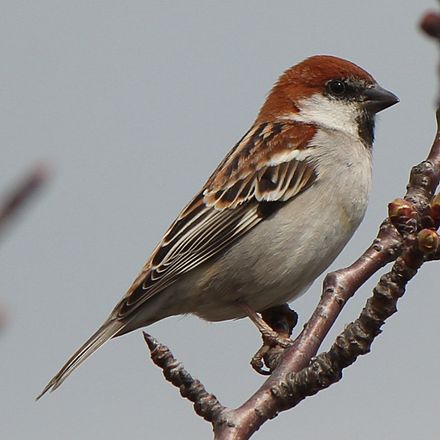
<point x="366" y="127"/>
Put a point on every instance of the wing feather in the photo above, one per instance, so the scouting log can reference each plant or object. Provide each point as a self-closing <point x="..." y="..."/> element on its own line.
<point x="269" y="166"/>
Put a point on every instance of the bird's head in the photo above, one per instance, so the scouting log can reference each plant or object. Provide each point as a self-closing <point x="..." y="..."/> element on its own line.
<point x="330" y="93"/>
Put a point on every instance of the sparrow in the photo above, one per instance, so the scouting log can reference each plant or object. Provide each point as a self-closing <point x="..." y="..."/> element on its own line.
<point x="274" y="214"/>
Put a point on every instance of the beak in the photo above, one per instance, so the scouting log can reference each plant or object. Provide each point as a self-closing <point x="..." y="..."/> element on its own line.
<point x="378" y="99"/>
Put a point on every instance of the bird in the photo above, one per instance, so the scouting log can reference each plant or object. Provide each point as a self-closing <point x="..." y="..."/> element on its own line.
<point x="274" y="214"/>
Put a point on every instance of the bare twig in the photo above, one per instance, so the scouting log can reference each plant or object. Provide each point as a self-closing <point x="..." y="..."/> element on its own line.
<point x="205" y="405"/>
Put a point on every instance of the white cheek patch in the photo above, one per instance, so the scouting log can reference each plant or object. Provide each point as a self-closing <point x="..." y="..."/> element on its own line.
<point x="329" y="113"/>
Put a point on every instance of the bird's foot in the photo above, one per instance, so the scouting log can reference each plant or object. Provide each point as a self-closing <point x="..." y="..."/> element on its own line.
<point x="275" y="325"/>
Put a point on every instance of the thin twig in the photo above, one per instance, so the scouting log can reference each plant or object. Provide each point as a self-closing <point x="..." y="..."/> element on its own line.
<point x="206" y="405"/>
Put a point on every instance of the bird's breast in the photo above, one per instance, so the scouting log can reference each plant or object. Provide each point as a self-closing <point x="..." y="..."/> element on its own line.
<point x="279" y="259"/>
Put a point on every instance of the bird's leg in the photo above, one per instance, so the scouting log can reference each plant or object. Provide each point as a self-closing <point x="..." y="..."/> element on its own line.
<point x="269" y="334"/>
<point x="276" y="325"/>
<point x="281" y="318"/>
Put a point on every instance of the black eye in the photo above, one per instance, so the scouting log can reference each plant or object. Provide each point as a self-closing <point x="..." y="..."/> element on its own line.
<point x="336" y="87"/>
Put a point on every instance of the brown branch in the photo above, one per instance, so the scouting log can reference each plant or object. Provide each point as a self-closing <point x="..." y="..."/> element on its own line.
<point x="407" y="237"/>
<point x="205" y="405"/>
<point x="355" y="340"/>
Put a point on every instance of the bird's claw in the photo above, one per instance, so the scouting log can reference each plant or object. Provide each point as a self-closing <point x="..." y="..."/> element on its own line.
<point x="276" y="326"/>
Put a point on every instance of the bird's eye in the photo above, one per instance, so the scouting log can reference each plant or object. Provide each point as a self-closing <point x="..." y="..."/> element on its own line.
<point x="336" y="87"/>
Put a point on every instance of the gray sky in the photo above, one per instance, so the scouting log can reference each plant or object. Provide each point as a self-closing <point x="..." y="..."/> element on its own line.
<point x="133" y="104"/>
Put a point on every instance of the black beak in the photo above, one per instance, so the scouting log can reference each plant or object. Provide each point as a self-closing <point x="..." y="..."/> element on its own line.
<point x="378" y="99"/>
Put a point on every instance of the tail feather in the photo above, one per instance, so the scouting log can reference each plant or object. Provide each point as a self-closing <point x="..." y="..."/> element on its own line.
<point x="109" y="329"/>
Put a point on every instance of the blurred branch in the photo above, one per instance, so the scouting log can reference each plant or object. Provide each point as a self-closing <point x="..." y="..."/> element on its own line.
<point x="408" y="237"/>
<point x="14" y="202"/>
<point x="21" y="194"/>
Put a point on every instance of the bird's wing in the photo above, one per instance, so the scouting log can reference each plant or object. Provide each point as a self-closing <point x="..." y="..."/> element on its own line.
<point x="267" y="167"/>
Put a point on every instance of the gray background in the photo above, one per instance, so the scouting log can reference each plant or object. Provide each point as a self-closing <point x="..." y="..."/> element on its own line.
<point x="133" y="104"/>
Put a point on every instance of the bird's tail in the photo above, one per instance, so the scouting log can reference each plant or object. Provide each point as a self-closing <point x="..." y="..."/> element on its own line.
<point x="109" y="329"/>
